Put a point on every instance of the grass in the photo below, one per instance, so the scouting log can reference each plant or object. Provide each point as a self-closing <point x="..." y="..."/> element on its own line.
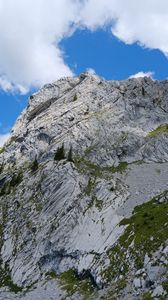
<point x="6" y="280"/>
<point x="120" y="168"/>
<point x="85" y="166"/>
<point x="52" y="274"/>
<point x="91" y="184"/>
<point x="95" y="202"/>
<point x="89" y="192"/>
<point x="120" y="285"/>
<point x="2" y="150"/>
<point x="117" y="262"/>
<point x="162" y="129"/>
<point x="146" y="296"/>
<point x="10" y="185"/>
<point x="114" y="290"/>
<point x="94" y="171"/>
<point x="16" y="179"/>
<point x="71" y="283"/>
<point x="108" y="297"/>
<point x="149" y="220"/>
<point x="165" y="285"/>
<point x="33" y="200"/>
<point x="146" y="231"/>
<point x="89" y="150"/>
<point x="98" y="203"/>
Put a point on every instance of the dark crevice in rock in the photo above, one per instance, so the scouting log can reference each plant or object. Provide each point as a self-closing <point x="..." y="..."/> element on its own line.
<point x="56" y="257"/>
<point x="86" y="274"/>
<point x="40" y="108"/>
<point x="44" y="137"/>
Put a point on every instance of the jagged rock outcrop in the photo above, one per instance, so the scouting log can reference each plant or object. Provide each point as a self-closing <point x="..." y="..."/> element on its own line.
<point x="84" y="192"/>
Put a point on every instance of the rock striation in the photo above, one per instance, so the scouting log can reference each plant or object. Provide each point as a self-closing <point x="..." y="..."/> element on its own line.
<point x="84" y="193"/>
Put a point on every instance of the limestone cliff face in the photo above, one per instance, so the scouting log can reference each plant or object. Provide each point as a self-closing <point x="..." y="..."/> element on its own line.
<point x="83" y="192"/>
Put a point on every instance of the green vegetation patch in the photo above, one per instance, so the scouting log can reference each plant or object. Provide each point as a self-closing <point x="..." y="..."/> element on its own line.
<point x="5" y="274"/>
<point x="118" y="262"/>
<point x="162" y="129"/>
<point x="98" y="203"/>
<point x="165" y="285"/>
<point x="11" y="184"/>
<point x="94" y="171"/>
<point x="146" y="230"/>
<point x="89" y="150"/>
<point x="147" y="227"/>
<point x="1" y="168"/>
<point x="38" y="205"/>
<point x="16" y="179"/>
<point x="6" y="280"/>
<point x="70" y="156"/>
<point x="146" y="296"/>
<point x="71" y="282"/>
<point x="75" y="98"/>
<point x="2" y="150"/>
<point x="85" y="166"/>
<point x="60" y="153"/>
<point x="90" y="186"/>
<point x="52" y="274"/>
<point x="34" y="166"/>
<point x="120" y="168"/>
<point x="116" y="288"/>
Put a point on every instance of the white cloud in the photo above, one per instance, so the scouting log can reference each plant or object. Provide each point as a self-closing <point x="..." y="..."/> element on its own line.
<point x="91" y="71"/>
<point x="7" y="86"/>
<point x="142" y="74"/>
<point x="132" y="21"/>
<point x="3" y="138"/>
<point x="30" y="32"/>
<point x="29" y="35"/>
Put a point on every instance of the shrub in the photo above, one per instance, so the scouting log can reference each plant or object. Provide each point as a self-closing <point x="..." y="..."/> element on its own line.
<point x="34" y="166"/>
<point x="2" y="150"/>
<point x="9" y="185"/>
<point x="16" y="179"/>
<point x="60" y="153"/>
<point x="69" y="158"/>
<point x="1" y="168"/>
<point x="75" y="97"/>
<point x="143" y="91"/>
<point x="162" y="129"/>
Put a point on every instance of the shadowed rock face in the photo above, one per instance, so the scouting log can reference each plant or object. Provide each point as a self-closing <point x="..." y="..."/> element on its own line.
<point x="83" y="155"/>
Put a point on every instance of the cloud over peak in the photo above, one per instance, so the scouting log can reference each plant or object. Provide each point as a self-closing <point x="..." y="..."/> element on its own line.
<point x="30" y="33"/>
<point x="142" y="74"/>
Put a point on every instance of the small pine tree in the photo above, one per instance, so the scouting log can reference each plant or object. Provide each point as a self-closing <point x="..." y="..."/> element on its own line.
<point x="60" y="153"/>
<point x="1" y="168"/>
<point x="34" y="166"/>
<point x="75" y="97"/>
<point x="143" y="91"/>
<point x="69" y="158"/>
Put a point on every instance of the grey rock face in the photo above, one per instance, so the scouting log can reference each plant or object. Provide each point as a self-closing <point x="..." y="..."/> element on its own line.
<point x="81" y="157"/>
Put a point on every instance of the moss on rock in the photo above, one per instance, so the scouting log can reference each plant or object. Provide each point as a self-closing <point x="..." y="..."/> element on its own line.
<point x="146" y="230"/>
<point x="71" y="282"/>
<point x="162" y="129"/>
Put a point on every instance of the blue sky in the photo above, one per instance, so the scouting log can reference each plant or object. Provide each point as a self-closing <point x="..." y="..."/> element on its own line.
<point x="114" y="38"/>
<point x="110" y="57"/>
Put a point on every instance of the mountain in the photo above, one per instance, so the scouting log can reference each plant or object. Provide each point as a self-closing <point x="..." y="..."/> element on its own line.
<point x="84" y="193"/>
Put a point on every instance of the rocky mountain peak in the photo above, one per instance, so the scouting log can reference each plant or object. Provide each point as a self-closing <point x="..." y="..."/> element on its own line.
<point x="83" y="192"/>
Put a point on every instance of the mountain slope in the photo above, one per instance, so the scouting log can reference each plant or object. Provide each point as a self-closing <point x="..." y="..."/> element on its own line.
<point x="83" y="192"/>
